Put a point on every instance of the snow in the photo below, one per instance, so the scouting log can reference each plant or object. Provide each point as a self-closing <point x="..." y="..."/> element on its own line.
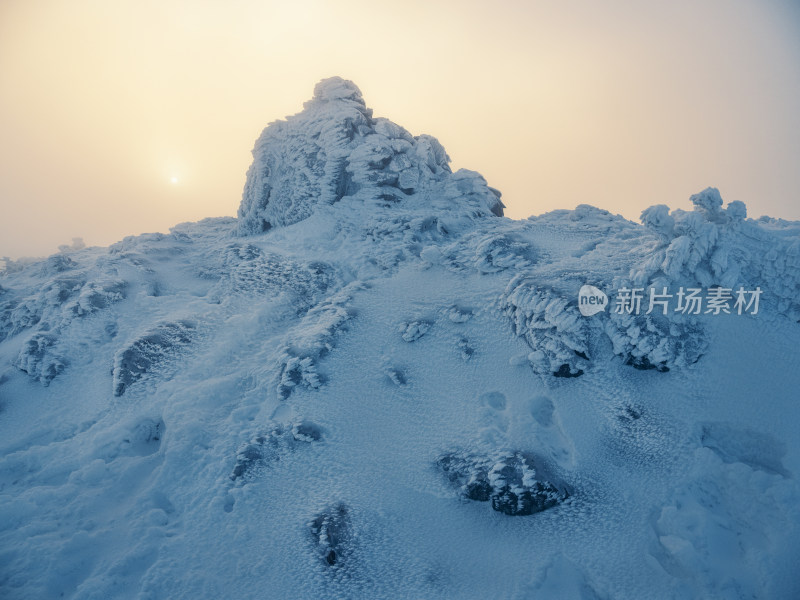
<point x="373" y="385"/>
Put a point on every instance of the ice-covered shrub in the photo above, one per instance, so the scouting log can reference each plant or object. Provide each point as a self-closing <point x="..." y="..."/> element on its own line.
<point x="549" y="323"/>
<point x="715" y="246"/>
<point x="52" y="306"/>
<point x="656" y="341"/>
<point x="247" y="270"/>
<point x="63" y="295"/>
<point x="38" y="358"/>
<point x="657" y="219"/>
<point x="707" y="247"/>
<point x="309" y="340"/>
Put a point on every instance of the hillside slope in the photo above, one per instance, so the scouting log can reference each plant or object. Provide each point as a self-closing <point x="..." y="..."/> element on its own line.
<point x="373" y="385"/>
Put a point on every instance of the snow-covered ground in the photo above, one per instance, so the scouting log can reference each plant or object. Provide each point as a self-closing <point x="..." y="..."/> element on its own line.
<point x="373" y="385"/>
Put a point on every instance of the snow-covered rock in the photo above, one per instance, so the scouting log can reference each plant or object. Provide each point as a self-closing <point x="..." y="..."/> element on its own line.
<point x="268" y="447"/>
<point x="149" y="351"/>
<point x="332" y="537"/>
<point x="511" y="481"/>
<point x="335" y="148"/>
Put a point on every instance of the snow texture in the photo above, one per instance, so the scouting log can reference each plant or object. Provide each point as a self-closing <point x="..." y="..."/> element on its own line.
<point x="325" y="397"/>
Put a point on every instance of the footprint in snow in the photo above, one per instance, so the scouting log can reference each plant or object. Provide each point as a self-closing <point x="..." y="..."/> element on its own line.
<point x="548" y="432"/>
<point x="494" y="418"/>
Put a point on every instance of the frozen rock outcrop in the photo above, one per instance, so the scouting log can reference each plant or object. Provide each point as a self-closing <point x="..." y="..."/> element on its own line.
<point x="335" y="148"/>
<point x="516" y="483"/>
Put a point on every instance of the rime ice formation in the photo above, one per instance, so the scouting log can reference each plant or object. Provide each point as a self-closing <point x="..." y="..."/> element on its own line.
<point x="335" y="148"/>
<point x="372" y="385"/>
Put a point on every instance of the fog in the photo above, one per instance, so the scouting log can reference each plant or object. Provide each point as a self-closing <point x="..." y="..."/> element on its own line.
<point x="118" y="118"/>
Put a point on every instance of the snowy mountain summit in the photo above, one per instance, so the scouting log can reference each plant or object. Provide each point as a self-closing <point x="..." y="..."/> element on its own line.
<point x="371" y="384"/>
<point x="335" y="148"/>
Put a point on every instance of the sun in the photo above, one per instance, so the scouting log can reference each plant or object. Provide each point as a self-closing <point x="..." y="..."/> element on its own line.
<point x="173" y="180"/>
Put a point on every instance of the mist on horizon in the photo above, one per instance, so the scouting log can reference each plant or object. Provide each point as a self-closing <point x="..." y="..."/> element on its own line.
<point x="123" y="118"/>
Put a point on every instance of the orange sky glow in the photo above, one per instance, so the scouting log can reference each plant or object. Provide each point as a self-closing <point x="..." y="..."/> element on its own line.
<point x="118" y="118"/>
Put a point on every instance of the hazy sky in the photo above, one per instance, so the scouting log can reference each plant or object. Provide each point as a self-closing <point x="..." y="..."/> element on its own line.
<point x="620" y="104"/>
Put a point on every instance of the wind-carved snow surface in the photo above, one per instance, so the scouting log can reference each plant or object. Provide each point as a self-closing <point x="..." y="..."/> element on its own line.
<point x="372" y="385"/>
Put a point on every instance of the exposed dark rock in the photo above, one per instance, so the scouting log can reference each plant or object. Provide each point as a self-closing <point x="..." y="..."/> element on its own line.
<point x="331" y="534"/>
<point x="465" y="349"/>
<point x="565" y="371"/>
<point x="518" y="487"/>
<point x="517" y="484"/>
<point x="643" y="364"/>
